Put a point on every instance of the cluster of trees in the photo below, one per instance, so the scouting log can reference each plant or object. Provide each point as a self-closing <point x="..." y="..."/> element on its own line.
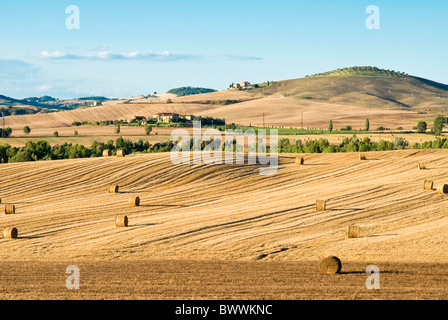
<point x="422" y="126"/>
<point x="188" y="91"/>
<point x="439" y="124"/>
<point x="356" y="145"/>
<point x="99" y="123"/>
<point x="42" y="150"/>
<point x="15" y="111"/>
<point x="364" y="70"/>
<point x="347" y="145"/>
<point x="5" y="133"/>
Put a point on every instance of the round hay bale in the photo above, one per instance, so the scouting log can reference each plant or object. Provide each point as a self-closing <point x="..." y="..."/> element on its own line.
<point x="429" y="185"/>
<point x="421" y="166"/>
<point x="121" y="221"/>
<point x="134" y="201"/>
<point x="10" y="233"/>
<point x="321" y="205"/>
<point x="0" y="200"/>
<point x="300" y="161"/>
<point x="330" y="265"/>
<point x="121" y="153"/>
<point x="443" y="189"/>
<point x="107" y="153"/>
<point x="353" y="232"/>
<point x="113" y="188"/>
<point x="362" y="157"/>
<point x="10" y="209"/>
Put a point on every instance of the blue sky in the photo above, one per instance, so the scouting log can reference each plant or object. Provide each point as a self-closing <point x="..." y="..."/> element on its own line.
<point x="133" y="47"/>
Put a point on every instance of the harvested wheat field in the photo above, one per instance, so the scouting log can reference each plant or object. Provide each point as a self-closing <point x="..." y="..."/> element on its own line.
<point x="278" y="111"/>
<point x="221" y="220"/>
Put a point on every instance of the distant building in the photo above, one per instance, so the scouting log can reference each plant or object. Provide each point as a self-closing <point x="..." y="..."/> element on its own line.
<point x="97" y="103"/>
<point x="245" y="84"/>
<point x="242" y="85"/>
<point x="166" y="117"/>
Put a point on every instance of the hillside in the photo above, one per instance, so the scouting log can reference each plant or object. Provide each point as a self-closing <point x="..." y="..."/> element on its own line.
<point x="64" y="211"/>
<point x="46" y="104"/>
<point x="365" y="87"/>
<point x="348" y="96"/>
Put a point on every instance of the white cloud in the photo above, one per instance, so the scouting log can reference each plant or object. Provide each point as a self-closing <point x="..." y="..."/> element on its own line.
<point x="107" y="55"/>
<point x="53" y="55"/>
<point x="45" y="87"/>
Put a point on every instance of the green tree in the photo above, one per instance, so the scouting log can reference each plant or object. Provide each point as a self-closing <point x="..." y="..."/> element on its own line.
<point x="117" y="129"/>
<point x="56" y="134"/>
<point x="330" y="127"/>
<point x="23" y="155"/>
<point x="26" y="130"/>
<point x="5" y="133"/>
<point x="439" y="125"/>
<point x="76" y="133"/>
<point x="367" y="124"/>
<point x="422" y="126"/>
<point x="148" y="130"/>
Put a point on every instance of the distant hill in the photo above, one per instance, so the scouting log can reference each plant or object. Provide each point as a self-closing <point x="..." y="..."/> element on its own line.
<point x="46" y="104"/>
<point x="93" y="98"/>
<point x="188" y="91"/>
<point x="11" y="106"/>
<point x="43" y="99"/>
<point x="369" y="87"/>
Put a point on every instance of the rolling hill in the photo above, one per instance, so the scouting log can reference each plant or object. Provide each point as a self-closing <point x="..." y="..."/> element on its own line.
<point x="64" y="212"/>
<point x="346" y="96"/>
<point x="46" y="104"/>
<point x="365" y="87"/>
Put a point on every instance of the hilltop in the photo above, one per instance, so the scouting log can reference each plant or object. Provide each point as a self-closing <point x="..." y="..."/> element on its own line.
<point x="369" y="87"/>
<point x="188" y="91"/>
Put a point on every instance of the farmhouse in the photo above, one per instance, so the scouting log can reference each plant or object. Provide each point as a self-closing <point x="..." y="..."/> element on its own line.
<point x="242" y="85"/>
<point x="167" y="117"/>
<point x="97" y="103"/>
<point x="245" y="84"/>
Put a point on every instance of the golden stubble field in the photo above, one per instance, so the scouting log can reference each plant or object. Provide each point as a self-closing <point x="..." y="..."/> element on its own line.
<point x="225" y="231"/>
<point x="278" y="111"/>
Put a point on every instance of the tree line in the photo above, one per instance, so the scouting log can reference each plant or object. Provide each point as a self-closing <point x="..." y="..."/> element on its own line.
<point x="42" y="150"/>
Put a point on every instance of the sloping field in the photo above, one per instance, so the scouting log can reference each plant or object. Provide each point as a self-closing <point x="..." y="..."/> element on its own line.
<point x="287" y="112"/>
<point x="228" y="212"/>
<point x="218" y="96"/>
<point x="278" y="111"/>
<point x="406" y="92"/>
<point x="102" y="113"/>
